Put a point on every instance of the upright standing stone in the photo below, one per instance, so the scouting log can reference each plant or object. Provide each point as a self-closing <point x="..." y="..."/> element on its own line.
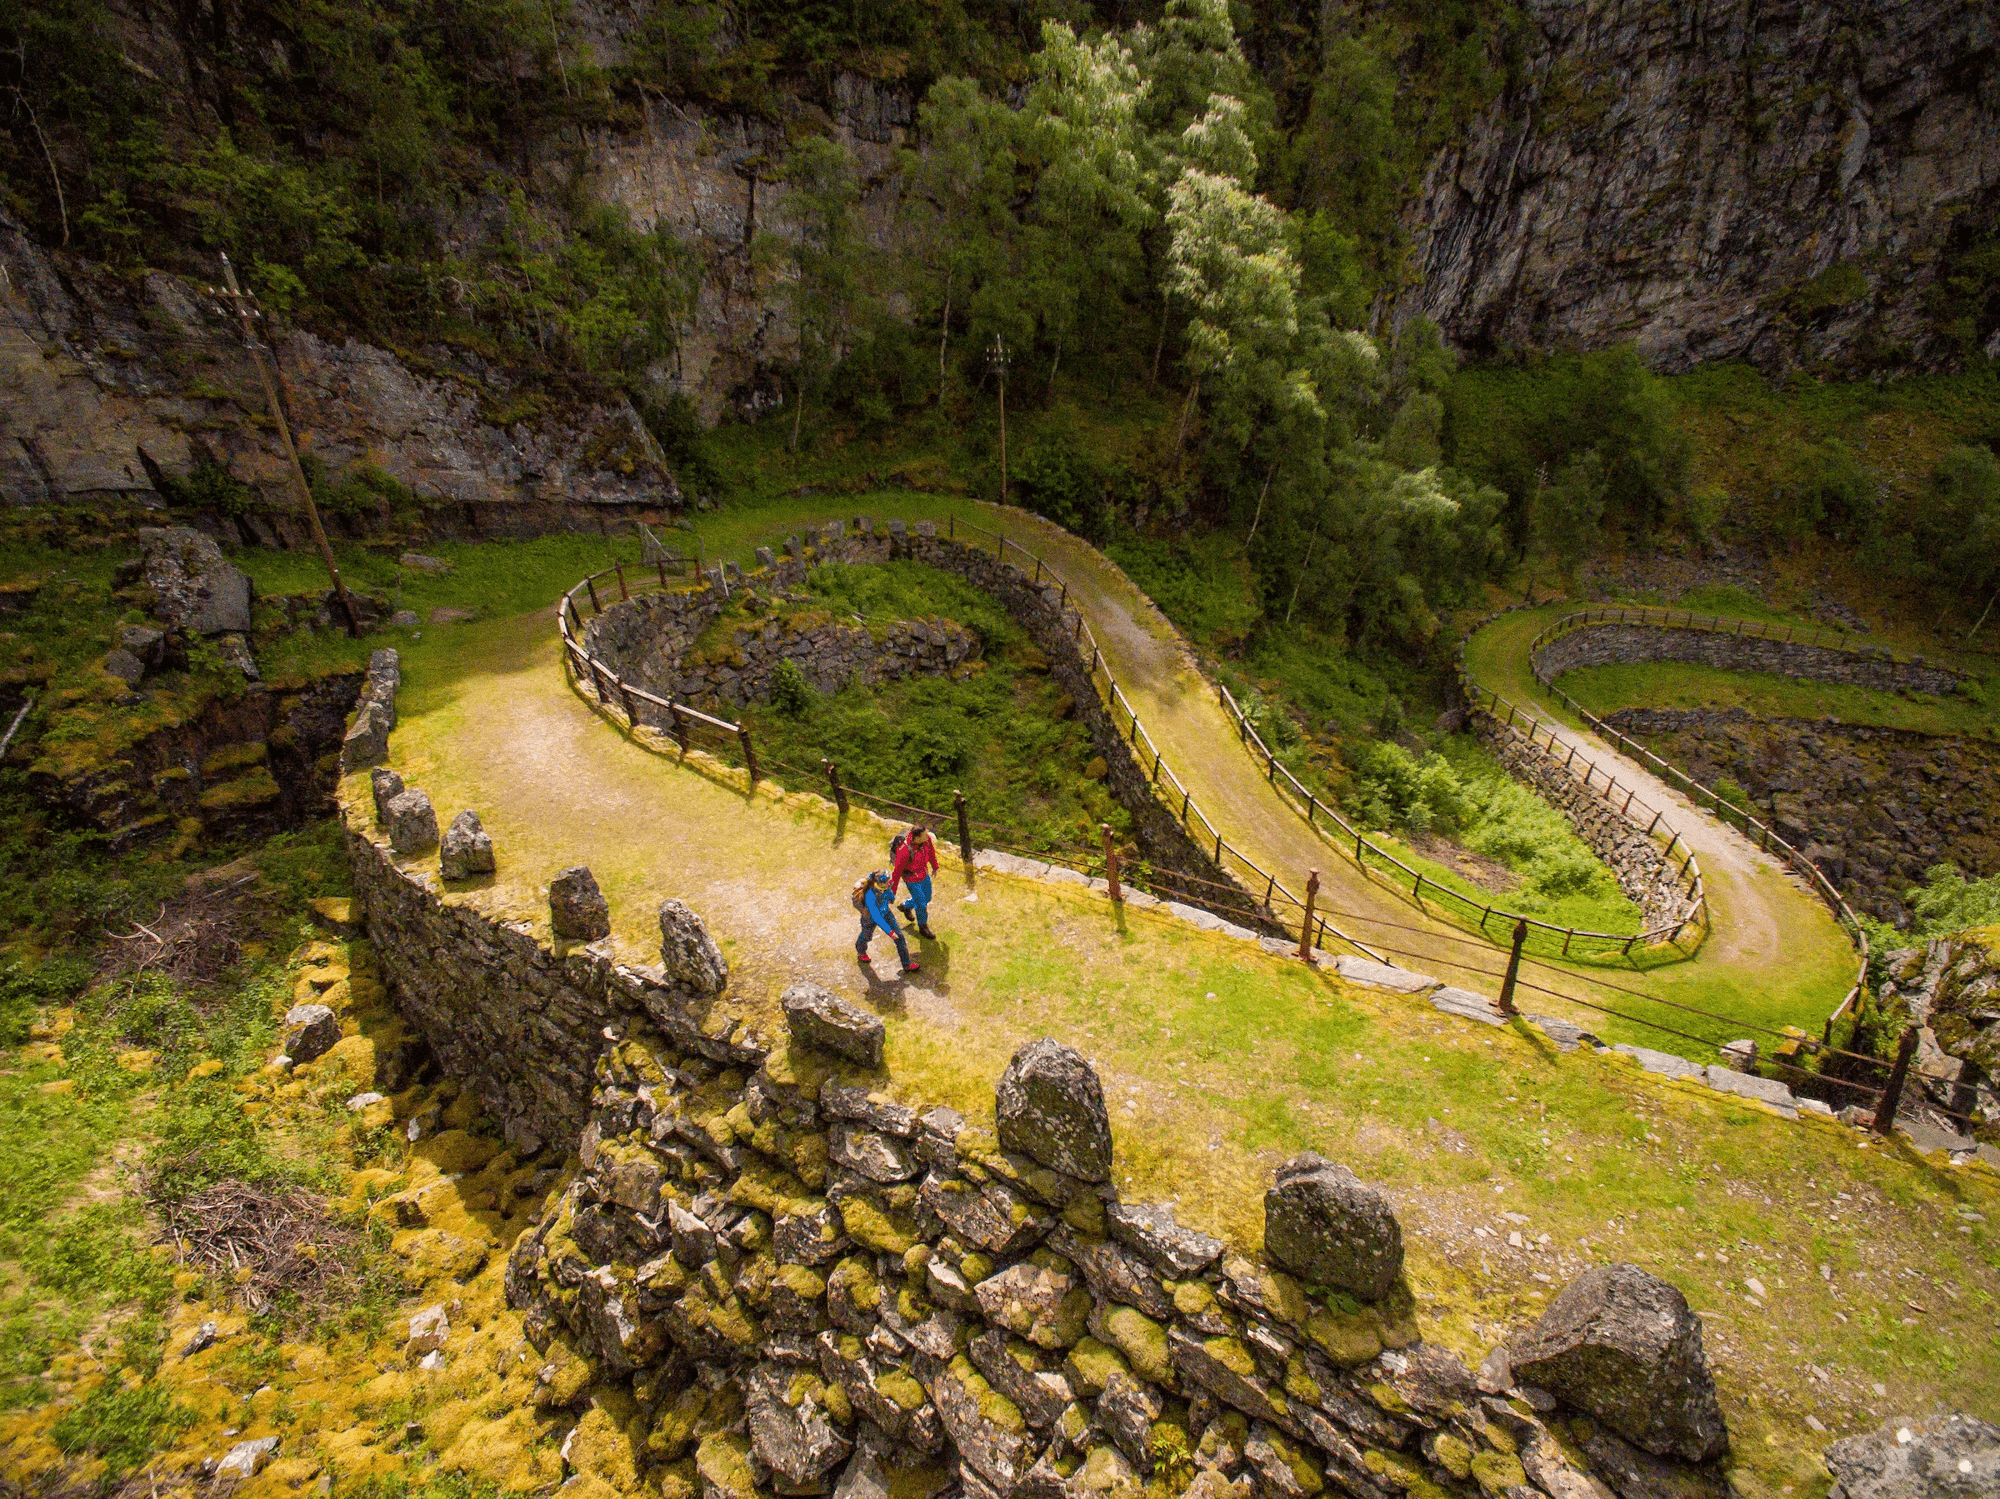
<point x="466" y="849"/>
<point x="578" y="910"/>
<point x="194" y="588"/>
<point x="819" y="1017"/>
<point x="1622" y="1344"/>
<point x="412" y="825"/>
<point x="386" y="786"/>
<point x="688" y="954"/>
<point x="1330" y="1228"/>
<point x="1049" y="1106"/>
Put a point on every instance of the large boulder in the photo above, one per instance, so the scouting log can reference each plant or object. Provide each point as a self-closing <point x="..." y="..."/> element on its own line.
<point x="412" y="825"/>
<point x="1330" y="1228"/>
<point x="1944" y="1457"/>
<point x="367" y="739"/>
<point x="1624" y="1345"/>
<point x="466" y="848"/>
<point x="386" y="786"/>
<point x="194" y="588"/>
<point x="578" y="910"/>
<point x="688" y="954"/>
<point x="1049" y="1107"/>
<point x="819" y="1017"/>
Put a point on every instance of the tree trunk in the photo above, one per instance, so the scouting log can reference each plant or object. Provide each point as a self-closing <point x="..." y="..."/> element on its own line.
<point x="1269" y="474"/>
<point x="1187" y="410"/>
<point x="1982" y="618"/>
<point x="1054" y="365"/>
<point x="798" y="414"/>
<point x="1303" y="568"/>
<point x="944" y="333"/>
<point x="1159" y="344"/>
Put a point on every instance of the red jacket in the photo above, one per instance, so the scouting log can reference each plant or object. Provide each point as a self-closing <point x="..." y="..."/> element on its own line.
<point x="916" y="860"/>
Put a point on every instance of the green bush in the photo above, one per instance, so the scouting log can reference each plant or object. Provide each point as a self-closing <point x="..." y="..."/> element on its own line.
<point x="208" y="486"/>
<point x="24" y="989"/>
<point x="1393" y="788"/>
<point x="1055" y="478"/>
<point x="790" y="692"/>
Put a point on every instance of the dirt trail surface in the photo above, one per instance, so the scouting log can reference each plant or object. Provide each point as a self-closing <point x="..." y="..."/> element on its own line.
<point x="1764" y="922"/>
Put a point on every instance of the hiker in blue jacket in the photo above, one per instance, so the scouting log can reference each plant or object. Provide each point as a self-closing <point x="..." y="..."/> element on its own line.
<point x="877" y="899"/>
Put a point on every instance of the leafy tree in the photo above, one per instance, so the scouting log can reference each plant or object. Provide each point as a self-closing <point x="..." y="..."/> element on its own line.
<point x="1958" y="528"/>
<point x="824" y="259"/>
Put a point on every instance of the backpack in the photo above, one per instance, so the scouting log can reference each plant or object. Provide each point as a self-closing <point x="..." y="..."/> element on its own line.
<point x="896" y="847"/>
<point x="856" y="899"/>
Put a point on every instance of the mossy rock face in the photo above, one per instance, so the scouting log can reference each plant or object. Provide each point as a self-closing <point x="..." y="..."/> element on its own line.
<point x="874" y="1224"/>
<point x="1345" y="1338"/>
<point x="1090" y="1364"/>
<point x="1498" y="1472"/>
<point x="723" y="1463"/>
<point x="1451" y="1453"/>
<point x="1143" y="1342"/>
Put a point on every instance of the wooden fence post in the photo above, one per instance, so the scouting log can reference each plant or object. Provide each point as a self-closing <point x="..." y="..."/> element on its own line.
<point x="1110" y="862"/>
<point x="1885" y="1111"/>
<point x="964" y="827"/>
<point x="1513" y="969"/>
<point x="662" y="566"/>
<point x="749" y="751"/>
<point x="1306" y="926"/>
<point x="592" y="586"/>
<point x="839" y="791"/>
<point x="624" y="593"/>
<point x="680" y="725"/>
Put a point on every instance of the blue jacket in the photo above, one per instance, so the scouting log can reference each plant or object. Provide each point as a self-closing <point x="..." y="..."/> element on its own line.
<point x="881" y="907"/>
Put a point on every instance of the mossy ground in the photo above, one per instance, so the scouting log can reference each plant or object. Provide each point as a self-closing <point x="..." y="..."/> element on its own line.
<point x="1672" y="684"/>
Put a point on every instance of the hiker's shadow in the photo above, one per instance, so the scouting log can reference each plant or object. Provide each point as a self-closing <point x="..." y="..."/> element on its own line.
<point x="889" y="987"/>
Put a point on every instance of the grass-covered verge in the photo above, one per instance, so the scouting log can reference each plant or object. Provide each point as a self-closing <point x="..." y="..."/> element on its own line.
<point x="1974" y="710"/>
<point x="1002" y="730"/>
<point x="137" y="1092"/>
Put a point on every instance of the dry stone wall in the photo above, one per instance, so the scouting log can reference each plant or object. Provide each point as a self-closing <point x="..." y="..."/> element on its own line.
<point x="1624" y="644"/>
<point x="623" y="631"/>
<point x="812" y="1286"/>
<point x="1874" y="808"/>
<point x="1639" y="864"/>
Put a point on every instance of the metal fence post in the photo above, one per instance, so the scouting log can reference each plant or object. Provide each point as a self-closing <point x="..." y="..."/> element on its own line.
<point x="592" y="586"/>
<point x="964" y="826"/>
<point x="1513" y="969"/>
<point x="839" y="791"/>
<point x="1306" y="926"/>
<point x="749" y="751"/>
<point x="1885" y="1111"/>
<point x="1110" y="862"/>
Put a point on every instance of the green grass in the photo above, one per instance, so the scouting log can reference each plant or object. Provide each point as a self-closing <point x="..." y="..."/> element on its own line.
<point x="1677" y="685"/>
<point x="1002" y="732"/>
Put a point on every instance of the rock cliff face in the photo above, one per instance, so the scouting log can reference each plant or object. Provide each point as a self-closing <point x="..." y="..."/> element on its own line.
<point x="1762" y="179"/>
<point x="117" y="388"/>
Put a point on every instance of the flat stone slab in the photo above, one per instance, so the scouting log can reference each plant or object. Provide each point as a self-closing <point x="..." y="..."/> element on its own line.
<point x="1059" y="874"/>
<point x="1566" y="1034"/>
<point x="1208" y="921"/>
<point x="1663" y="1062"/>
<point x="999" y="863"/>
<point x="1467" y="1005"/>
<point x="1927" y="1136"/>
<point x="1382" y="975"/>
<point x="1241" y="933"/>
<point x="1763" y="1089"/>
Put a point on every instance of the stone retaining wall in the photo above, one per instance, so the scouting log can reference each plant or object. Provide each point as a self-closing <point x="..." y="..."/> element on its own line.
<point x="1874" y="808"/>
<point x="1039" y="609"/>
<point x="804" y="1285"/>
<point x="1612" y="644"/>
<point x="1639" y="864"/>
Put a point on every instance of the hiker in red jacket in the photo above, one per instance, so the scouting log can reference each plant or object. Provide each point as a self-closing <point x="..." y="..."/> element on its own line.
<point x="916" y="862"/>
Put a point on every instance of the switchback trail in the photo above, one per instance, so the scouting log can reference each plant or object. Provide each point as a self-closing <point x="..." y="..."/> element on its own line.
<point x="1775" y="956"/>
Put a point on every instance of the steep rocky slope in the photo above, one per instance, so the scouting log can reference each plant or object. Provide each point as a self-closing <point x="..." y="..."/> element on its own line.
<point x="1723" y="179"/>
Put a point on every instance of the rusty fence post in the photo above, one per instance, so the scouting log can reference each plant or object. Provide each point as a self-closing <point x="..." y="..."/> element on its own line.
<point x="596" y="607"/>
<point x="1885" y="1111"/>
<point x="1110" y="862"/>
<point x="839" y="791"/>
<point x="1306" y="924"/>
<point x="964" y="826"/>
<point x="749" y="751"/>
<point x="1513" y="969"/>
<point x="680" y="726"/>
<point x="624" y="593"/>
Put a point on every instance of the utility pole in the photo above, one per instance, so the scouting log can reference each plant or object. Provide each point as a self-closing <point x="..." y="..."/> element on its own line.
<point x="996" y="359"/>
<point x="243" y="302"/>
